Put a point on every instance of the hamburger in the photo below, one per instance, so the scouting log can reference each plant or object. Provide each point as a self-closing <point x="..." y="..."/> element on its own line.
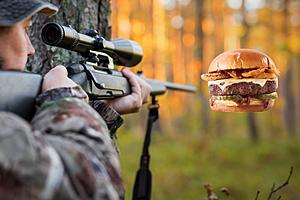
<point x="242" y="80"/>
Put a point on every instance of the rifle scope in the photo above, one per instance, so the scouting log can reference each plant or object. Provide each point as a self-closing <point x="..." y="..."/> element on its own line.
<point x="123" y="51"/>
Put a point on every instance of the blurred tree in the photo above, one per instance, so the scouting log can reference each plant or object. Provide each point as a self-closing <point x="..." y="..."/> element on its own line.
<point x="289" y="112"/>
<point x="252" y="124"/>
<point x="199" y="12"/>
<point x="290" y="79"/>
<point x="218" y="11"/>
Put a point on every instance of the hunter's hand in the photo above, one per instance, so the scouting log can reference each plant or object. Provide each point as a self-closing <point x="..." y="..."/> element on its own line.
<point x="56" y="78"/>
<point x="140" y="91"/>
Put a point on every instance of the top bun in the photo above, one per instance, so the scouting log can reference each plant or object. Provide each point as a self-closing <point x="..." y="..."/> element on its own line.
<point x="241" y="59"/>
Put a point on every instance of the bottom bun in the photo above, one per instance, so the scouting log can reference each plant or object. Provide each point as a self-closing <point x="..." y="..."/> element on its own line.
<point x="253" y="105"/>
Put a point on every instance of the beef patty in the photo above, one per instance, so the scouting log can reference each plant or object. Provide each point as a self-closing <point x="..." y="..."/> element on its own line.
<point x="243" y="89"/>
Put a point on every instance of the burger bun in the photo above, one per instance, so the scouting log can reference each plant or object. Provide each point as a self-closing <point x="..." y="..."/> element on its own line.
<point x="254" y="105"/>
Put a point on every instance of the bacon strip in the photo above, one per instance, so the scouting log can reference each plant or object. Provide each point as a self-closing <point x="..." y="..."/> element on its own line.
<point x="262" y="73"/>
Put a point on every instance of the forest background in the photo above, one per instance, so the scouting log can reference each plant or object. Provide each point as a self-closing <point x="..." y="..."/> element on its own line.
<point x="192" y="145"/>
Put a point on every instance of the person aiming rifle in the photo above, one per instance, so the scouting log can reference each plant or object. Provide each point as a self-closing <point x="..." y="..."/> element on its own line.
<point x="67" y="150"/>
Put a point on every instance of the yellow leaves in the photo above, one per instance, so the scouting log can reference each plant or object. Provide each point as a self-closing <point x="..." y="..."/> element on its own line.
<point x="138" y="27"/>
<point x="281" y="59"/>
<point x="147" y="40"/>
<point x="189" y="25"/>
<point x="263" y="15"/>
<point x="239" y="30"/>
<point x="279" y="19"/>
<point x="260" y="37"/>
<point x="294" y="43"/>
<point x="124" y="26"/>
<point x="188" y="39"/>
<point x="208" y="25"/>
<point x="260" y="33"/>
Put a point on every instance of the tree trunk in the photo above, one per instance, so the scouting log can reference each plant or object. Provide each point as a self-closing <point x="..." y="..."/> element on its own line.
<point x="199" y="6"/>
<point x="252" y="124"/>
<point x="81" y="15"/>
<point x="289" y="106"/>
<point x="289" y="111"/>
<point x="296" y="92"/>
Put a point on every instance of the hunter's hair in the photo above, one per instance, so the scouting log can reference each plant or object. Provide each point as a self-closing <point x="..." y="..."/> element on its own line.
<point x="3" y="30"/>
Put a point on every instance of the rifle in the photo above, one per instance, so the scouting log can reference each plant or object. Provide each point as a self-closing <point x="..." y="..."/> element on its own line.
<point x="96" y="73"/>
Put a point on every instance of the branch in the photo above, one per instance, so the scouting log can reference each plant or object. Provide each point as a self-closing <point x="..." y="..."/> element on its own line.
<point x="274" y="190"/>
<point x="209" y="191"/>
<point x="225" y="191"/>
<point x="279" y="198"/>
<point x="257" y="194"/>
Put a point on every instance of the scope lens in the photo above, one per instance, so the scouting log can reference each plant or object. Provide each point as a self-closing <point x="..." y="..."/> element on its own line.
<point x="51" y="34"/>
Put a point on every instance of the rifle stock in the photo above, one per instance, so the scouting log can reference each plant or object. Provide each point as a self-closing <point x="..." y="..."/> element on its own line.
<point x="18" y="91"/>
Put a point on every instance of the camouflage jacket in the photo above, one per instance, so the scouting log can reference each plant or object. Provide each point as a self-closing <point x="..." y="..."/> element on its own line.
<point x="66" y="152"/>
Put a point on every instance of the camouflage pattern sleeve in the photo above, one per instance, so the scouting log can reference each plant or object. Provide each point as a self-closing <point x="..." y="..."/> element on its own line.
<point x="81" y="138"/>
<point x="110" y="116"/>
<point x="29" y="167"/>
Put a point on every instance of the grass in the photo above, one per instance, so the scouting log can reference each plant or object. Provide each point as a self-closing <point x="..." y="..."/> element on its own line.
<point x="182" y="164"/>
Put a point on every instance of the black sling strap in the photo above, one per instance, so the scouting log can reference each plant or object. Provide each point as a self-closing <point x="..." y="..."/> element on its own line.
<point x="143" y="180"/>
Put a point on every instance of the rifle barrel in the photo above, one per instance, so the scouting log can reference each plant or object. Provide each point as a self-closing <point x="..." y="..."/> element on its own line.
<point x="160" y="87"/>
<point x="180" y="87"/>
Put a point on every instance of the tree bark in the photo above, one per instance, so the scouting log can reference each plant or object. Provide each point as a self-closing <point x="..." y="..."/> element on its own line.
<point x="81" y="15"/>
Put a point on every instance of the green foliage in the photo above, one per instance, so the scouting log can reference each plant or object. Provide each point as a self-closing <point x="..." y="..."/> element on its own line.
<point x="182" y="164"/>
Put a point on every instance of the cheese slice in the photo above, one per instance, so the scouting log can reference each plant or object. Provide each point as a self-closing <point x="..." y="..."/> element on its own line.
<point x="252" y="102"/>
<point x="226" y="82"/>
